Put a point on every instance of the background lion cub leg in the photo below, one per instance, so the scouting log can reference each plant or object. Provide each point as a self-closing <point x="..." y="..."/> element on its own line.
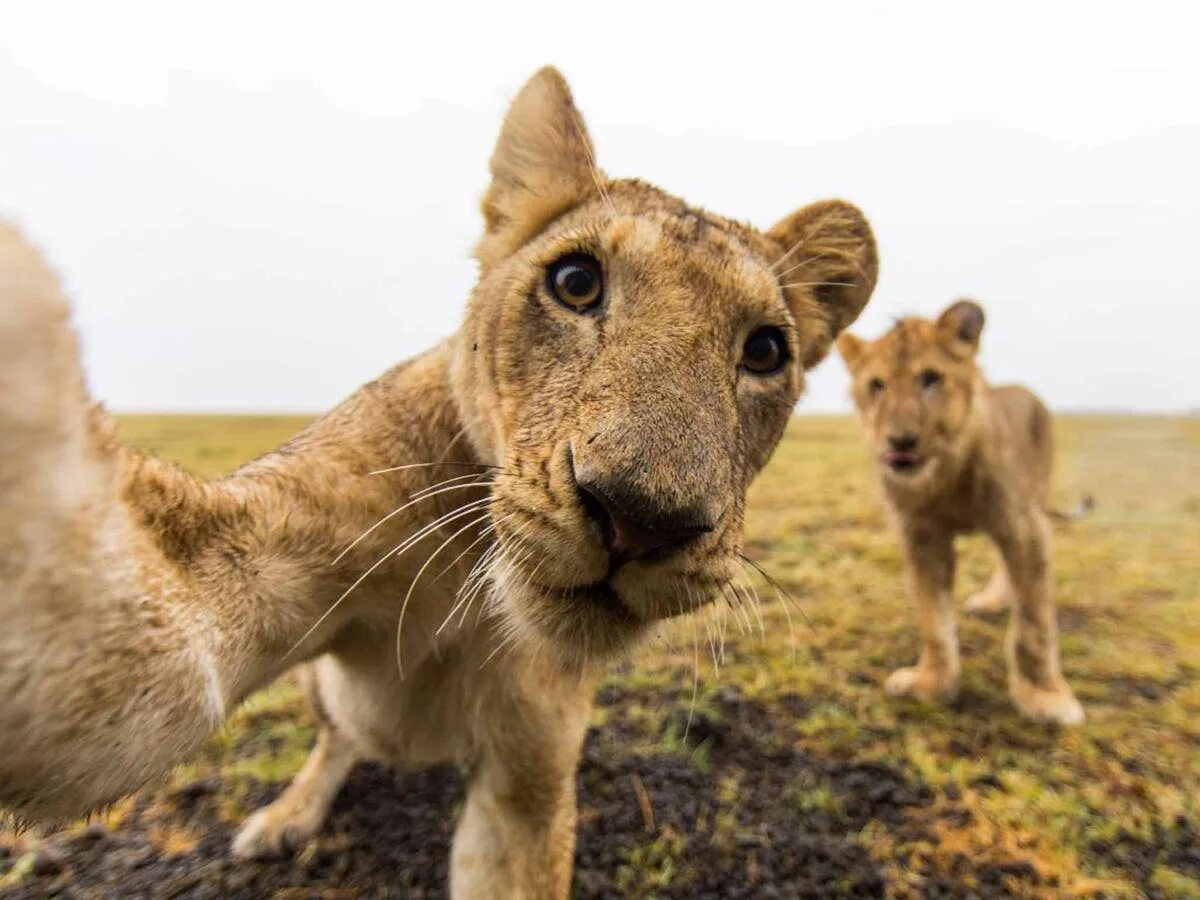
<point x="930" y="555"/>
<point x="996" y="596"/>
<point x="1034" y="675"/>
<point x="287" y="824"/>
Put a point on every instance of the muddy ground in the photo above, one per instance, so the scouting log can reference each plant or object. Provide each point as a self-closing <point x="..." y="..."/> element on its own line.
<point x="736" y="810"/>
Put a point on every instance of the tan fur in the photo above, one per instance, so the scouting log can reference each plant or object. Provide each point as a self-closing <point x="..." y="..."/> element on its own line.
<point x="984" y="459"/>
<point x="140" y="604"/>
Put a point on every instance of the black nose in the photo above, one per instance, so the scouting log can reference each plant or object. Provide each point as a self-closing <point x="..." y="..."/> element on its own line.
<point x="633" y="527"/>
<point x="904" y="443"/>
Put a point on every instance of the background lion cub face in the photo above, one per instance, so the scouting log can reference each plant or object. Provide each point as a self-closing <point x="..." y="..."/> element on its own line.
<point x="913" y="389"/>
<point x="630" y="363"/>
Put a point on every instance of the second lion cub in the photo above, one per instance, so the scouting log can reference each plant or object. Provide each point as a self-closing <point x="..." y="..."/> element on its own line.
<point x="957" y="455"/>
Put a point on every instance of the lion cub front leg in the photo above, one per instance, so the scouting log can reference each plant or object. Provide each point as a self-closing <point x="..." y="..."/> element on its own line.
<point x="295" y="816"/>
<point x="1034" y="675"/>
<point x="930" y="556"/>
<point x="516" y="838"/>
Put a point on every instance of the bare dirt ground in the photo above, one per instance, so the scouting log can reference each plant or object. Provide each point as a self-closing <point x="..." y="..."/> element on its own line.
<point x="796" y="777"/>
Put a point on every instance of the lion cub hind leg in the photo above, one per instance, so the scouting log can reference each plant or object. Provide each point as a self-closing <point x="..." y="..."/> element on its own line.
<point x="296" y="815"/>
<point x="931" y="568"/>
<point x="1035" y="678"/>
<point x="996" y="596"/>
<point x="289" y="822"/>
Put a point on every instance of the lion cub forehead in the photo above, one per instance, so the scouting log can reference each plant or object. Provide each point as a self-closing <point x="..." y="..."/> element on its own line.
<point x="710" y="254"/>
<point x="659" y="227"/>
<point x="910" y="343"/>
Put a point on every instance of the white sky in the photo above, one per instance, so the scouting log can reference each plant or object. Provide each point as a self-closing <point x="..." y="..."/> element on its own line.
<point x="260" y="207"/>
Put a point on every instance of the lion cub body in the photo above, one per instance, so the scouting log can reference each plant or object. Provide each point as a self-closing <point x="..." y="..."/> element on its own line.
<point x="958" y="456"/>
<point x="457" y="549"/>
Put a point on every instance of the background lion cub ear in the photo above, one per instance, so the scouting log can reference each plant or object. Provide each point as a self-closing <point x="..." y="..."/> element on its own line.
<point x="960" y="325"/>
<point x="827" y="264"/>
<point x="541" y="167"/>
<point x="850" y="348"/>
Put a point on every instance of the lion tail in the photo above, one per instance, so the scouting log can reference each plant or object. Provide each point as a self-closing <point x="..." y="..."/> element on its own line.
<point x="1084" y="509"/>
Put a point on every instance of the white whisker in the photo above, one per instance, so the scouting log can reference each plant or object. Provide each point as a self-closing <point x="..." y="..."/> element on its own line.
<point x="413" y="584"/>
<point x="695" y="682"/>
<point x="799" y="265"/>
<point x="429" y="465"/>
<point x="796" y="246"/>
<point x="596" y="176"/>
<point x="396" y="512"/>
<point x="796" y="284"/>
<point x="399" y="549"/>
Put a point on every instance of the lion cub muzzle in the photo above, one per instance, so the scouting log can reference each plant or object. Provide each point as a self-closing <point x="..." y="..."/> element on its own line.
<point x="636" y="525"/>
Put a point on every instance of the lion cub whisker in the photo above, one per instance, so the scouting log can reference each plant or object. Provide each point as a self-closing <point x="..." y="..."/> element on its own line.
<point x="398" y="550"/>
<point x="782" y="592"/>
<point x="483" y="536"/>
<point x="480" y="478"/>
<point x="800" y="265"/>
<point x="796" y="284"/>
<point x="395" y="512"/>
<point x="421" y="571"/>
<point x="425" y="465"/>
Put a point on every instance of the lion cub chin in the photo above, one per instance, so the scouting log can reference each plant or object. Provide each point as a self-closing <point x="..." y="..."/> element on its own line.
<point x="957" y="455"/>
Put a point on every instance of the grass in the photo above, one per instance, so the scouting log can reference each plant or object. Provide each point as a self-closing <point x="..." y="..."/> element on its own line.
<point x="1087" y="807"/>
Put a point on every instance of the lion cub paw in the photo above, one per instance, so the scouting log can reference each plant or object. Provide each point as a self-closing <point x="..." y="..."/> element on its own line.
<point x="274" y="831"/>
<point x="1058" y="706"/>
<point x="913" y="681"/>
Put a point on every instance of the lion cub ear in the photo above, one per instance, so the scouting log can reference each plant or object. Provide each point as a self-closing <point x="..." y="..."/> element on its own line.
<point x="827" y="264"/>
<point x="850" y="348"/>
<point x="541" y="167"/>
<point x="960" y="325"/>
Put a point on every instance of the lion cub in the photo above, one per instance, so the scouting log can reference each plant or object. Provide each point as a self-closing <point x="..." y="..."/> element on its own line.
<point x="957" y="455"/>
<point x="460" y="547"/>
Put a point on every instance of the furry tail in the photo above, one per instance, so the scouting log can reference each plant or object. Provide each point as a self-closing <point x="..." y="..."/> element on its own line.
<point x="1082" y="511"/>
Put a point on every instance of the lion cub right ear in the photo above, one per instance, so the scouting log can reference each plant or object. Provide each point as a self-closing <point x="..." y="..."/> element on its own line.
<point x="541" y="167"/>
<point x="960" y="325"/>
<point x="827" y="265"/>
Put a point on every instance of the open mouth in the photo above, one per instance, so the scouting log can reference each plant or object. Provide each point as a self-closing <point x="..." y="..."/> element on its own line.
<point x="904" y="462"/>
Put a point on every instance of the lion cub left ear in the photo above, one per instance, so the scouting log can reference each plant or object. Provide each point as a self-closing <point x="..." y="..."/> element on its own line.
<point x="960" y="325"/>
<point x="827" y="265"/>
<point x="541" y="167"/>
<point x="850" y="348"/>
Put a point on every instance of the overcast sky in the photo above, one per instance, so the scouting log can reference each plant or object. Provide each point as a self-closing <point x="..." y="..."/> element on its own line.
<point x="259" y="207"/>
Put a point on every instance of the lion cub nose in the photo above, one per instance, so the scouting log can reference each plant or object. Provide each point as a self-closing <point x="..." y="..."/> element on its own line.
<point x="633" y="527"/>
<point x="903" y="443"/>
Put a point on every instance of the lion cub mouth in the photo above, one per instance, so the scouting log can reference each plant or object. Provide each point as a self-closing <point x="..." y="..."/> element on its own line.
<point x="903" y="462"/>
<point x="601" y="594"/>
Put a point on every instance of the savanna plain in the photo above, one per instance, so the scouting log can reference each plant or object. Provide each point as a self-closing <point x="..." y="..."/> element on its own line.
<point x="753" y="754"/>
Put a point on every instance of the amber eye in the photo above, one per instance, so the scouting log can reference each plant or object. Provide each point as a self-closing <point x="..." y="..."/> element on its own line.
<point x="875" y="386"/>
<point x="575" y="281"/>
<point x="929" y="378"/>
<point x="765" y="351"/>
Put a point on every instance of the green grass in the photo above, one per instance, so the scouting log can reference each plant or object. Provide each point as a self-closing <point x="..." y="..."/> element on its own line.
<point x="1128" y="583"/>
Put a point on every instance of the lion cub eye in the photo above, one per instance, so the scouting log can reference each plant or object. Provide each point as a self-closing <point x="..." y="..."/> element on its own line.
<point x="765" y="351"/>
<point x="575" y="281"/>
<point x="929" y="378"/>
<point x="875" y="386"/>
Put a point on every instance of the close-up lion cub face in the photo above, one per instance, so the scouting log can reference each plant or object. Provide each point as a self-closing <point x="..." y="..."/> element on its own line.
<point x="913" y="389"/>
<point x="629" y="362"/>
